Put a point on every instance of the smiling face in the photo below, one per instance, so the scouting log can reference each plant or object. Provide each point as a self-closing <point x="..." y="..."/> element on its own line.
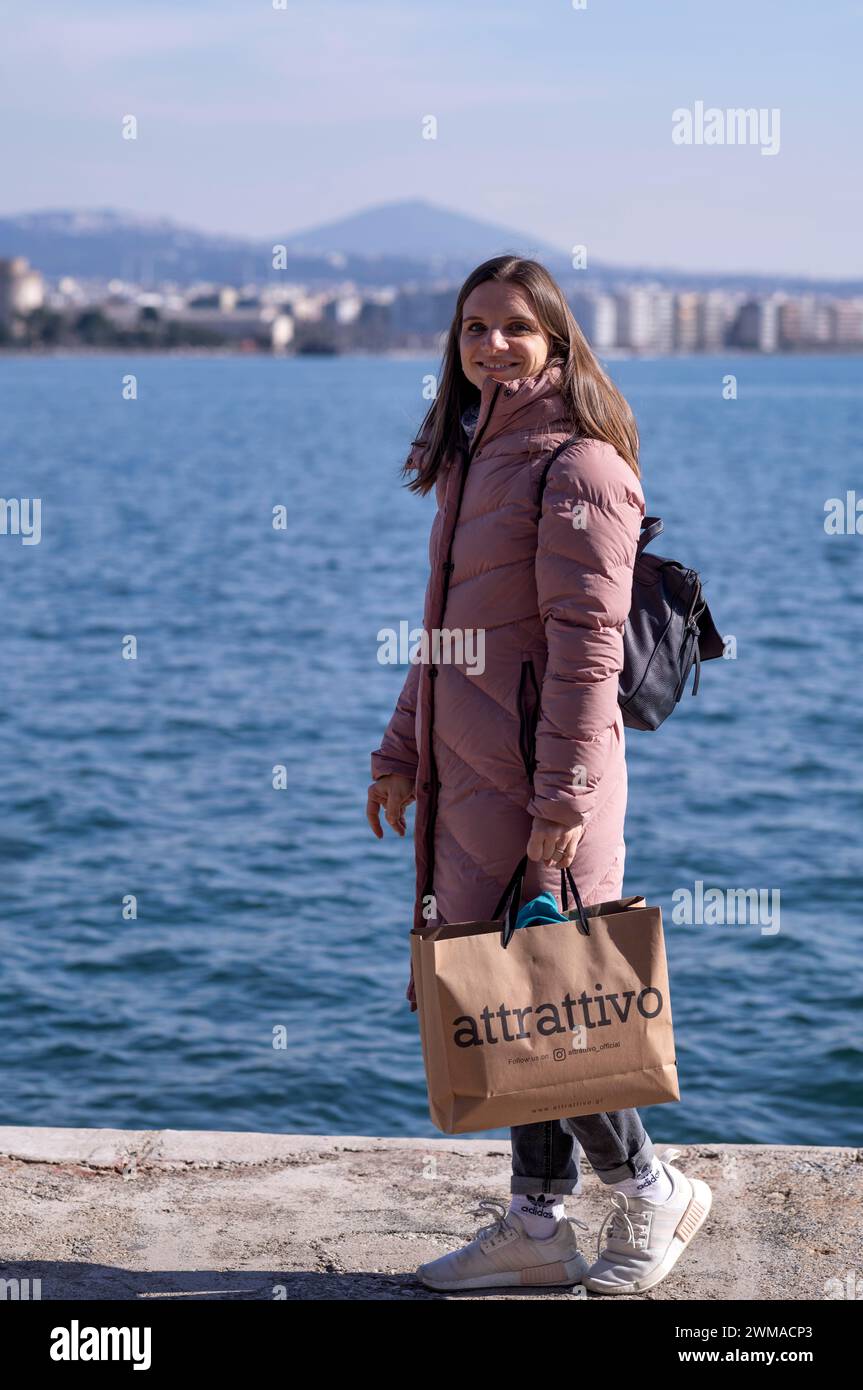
<point x="501" y="336"/>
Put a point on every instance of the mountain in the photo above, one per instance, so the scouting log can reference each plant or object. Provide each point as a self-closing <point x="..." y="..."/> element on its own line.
<point x="104" y="244"/>
<point x="395" y="243"/>
<point x="418" y="230"/>
<point x="412" y="242"/>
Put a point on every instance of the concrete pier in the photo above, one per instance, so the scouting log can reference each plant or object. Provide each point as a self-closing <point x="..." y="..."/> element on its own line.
<point x="186" y="1215"/>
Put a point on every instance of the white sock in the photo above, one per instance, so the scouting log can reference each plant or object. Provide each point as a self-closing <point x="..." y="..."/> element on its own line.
<point x="652" y="1183"/>
<point x="540" y="1212"/>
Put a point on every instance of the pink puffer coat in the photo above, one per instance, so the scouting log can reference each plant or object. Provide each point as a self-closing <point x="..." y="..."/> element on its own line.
<point x="552" y="594"/>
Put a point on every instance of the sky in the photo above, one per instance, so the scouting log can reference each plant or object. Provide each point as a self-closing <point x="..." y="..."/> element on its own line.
<point x="550" y="119"/>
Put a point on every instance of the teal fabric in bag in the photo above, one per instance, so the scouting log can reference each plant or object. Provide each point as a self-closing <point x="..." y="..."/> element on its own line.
<point x="541" y="909"/>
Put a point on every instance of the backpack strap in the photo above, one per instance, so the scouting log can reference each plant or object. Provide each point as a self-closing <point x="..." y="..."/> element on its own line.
<point x="573" y="438"/>
<point x="651" y="526"/>
<point x="650" y="529"/>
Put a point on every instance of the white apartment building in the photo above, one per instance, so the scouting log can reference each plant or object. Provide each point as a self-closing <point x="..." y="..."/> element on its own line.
<point x="596" y="315"/>
<point x="22" y="289"/>
<point x="635" y="324"/>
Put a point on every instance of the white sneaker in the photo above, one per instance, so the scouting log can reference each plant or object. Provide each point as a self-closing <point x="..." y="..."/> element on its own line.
<point x="502" y="1254"/>
<point x="646" y="1239"/>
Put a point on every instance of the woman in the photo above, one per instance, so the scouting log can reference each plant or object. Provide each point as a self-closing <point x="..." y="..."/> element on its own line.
<point x="524" y="750"/>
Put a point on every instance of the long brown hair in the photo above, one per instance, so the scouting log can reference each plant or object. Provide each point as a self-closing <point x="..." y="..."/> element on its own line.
<point x="593" y="403"/>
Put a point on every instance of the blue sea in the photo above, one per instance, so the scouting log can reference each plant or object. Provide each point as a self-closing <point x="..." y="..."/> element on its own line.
<point x="167" y="911"/>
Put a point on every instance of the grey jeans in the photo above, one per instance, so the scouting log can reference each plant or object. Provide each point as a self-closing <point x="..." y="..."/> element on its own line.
<point x="545" y="1156"/>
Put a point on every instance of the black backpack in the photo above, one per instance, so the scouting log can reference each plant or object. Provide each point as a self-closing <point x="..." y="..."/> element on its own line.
<point x="669" y="627"/>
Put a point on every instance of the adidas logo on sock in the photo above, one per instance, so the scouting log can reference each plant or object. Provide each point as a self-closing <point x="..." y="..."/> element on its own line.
<point x="646" y="1177"/>
<point x="541" y="1206"/>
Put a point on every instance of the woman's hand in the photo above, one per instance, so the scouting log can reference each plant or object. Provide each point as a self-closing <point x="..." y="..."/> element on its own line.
<point x="553" y="843"/>
<point x="393" y="792"/>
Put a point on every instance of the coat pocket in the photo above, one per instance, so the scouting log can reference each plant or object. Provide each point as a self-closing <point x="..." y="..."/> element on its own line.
<point x="528" y="715"/>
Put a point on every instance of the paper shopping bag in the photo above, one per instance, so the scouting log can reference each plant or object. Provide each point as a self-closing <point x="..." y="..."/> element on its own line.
<point x="549" y="1021"/>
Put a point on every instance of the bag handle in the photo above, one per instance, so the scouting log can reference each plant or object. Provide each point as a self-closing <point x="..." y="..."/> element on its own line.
<point x="510" y="901"/>
<point x="651" y="526"/>
<point x="583" y="924"/>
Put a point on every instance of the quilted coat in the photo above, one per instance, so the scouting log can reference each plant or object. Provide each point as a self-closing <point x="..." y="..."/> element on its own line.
<point x="538" y="731"/>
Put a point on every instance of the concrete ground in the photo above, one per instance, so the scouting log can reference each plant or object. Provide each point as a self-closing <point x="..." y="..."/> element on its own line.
<point x="169" y="1214"/>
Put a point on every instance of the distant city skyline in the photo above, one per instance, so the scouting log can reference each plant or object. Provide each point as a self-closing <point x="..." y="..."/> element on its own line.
<point x="552" y="120"/>
<point x="343" y="317"/>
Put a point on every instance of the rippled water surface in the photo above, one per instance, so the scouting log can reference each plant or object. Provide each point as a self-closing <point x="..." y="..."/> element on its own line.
<point x="260" y="909"/>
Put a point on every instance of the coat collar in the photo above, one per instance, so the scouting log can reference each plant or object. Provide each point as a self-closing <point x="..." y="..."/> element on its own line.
<point x="526" y="401"/>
